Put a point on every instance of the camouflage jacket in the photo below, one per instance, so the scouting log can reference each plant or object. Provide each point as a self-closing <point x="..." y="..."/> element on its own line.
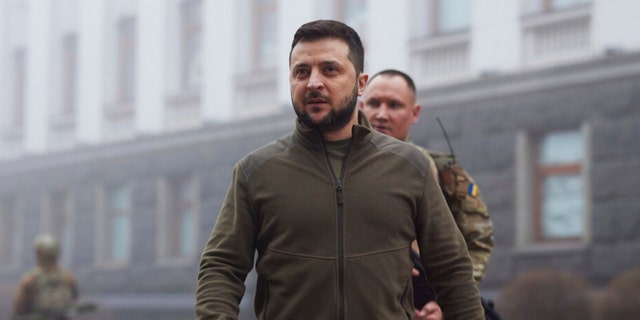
<point x="468" y="208"/>
<point x="45" y="295"/>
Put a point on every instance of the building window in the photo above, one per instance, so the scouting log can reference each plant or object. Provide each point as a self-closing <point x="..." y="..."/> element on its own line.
<point x="540" y="6"/>
<point x="177" y="222"/>
<point x="115" y="225"/>
<point x="10" y="233"/>
<point x="353" y="13"/>
<point x="439" y="17"/>
<point x="127" y="59"/>
<point x="453" y="15"/>
<point x="69" y="74"/>
<point x="191" y="22"/>
<point x="119" y="116"/>
<point x="62" y="118"/>
<point x="560" y="187"/>
<point x="265" y="27"/>
<point x="441" y="44"/>
<point x="556" y="32"/>
<point x="58" y="220"/>
<point x="19" y="81"/>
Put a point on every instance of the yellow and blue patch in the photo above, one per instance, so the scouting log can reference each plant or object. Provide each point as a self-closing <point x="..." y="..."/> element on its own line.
<point x="472" y="190"/>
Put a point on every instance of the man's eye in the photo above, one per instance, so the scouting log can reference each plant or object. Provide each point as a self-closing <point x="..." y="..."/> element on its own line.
<point x="300" y="72"/>
<point x="372" y="104"/>
<point x="331" y="69"/>
<point x="394" y="105"/>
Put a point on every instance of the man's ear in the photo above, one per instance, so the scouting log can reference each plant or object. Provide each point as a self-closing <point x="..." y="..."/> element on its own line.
<point x="362" y="82"/>
<point x="416" y="112"/>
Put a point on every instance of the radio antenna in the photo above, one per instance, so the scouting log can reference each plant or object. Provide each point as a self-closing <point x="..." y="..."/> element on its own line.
<point x="446" y="136"/>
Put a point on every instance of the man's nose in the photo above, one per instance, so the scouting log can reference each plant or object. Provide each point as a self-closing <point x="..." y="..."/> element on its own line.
<point x="315" y="82"/>
<point x="383" y="112"/>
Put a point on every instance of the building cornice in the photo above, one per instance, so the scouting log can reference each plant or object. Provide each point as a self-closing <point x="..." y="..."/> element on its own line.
<point x="209" y="134"/>
<point x="605" y="68"/>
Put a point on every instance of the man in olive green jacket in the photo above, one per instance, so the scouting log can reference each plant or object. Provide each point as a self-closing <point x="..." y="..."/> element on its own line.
<point x="332" y="209"/>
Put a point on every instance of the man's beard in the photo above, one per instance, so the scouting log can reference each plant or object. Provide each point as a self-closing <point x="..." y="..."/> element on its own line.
<point x="335" y="119"/>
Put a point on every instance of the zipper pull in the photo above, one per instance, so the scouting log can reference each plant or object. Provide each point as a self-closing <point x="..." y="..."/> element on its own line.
<point x="339" y="191"/>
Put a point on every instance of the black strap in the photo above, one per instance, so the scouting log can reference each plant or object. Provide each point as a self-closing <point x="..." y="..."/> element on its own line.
<point x="422" y="291"/>
<point x="490" y="312"/>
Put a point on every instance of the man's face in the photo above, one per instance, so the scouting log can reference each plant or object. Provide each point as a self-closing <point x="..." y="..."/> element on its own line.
<point x="324" y="86"/>
<point x="390" y="106"/>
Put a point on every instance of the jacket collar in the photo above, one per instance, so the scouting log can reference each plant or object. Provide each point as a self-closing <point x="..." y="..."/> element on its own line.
<point x="360" y="133"/>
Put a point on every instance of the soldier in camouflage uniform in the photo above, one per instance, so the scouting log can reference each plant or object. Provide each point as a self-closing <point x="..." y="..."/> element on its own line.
<point x="46" y="292"/>
<point x="389" y="102"/>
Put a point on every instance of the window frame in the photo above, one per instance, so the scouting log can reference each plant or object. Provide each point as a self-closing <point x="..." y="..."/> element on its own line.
<point x="127" y="43"/>
<point x="105" y="226"/>
<point x="340" y="10"/>
<point x="171" y="209"/>
<point x="260" y="9"/>
<point x="19" y="86"/>
<point x="69" y="74"/>
<point x="189" y="29"/>
<point x="544" y="171"/>
<point x="434" y="18"/>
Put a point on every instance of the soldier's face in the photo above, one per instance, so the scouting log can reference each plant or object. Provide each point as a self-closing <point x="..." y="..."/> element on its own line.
<point x="390" y="106"/>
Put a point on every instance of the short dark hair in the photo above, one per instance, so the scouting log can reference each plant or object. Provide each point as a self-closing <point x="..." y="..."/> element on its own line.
<point x="394" y="72"/>
<point x="322" y="29"/>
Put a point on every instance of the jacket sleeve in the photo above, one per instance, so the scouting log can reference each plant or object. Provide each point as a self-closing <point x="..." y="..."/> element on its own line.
<point x="445" y="256"/>
<point x="228" y="255"/>
<point x="471" y="215"/>
<point x="23" y="300"/>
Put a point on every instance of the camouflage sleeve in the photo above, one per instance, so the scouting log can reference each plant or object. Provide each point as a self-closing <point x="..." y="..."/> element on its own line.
<point x="467" y="206"/>
<point x="471" y="214"/>
<point x="22" y="303"/>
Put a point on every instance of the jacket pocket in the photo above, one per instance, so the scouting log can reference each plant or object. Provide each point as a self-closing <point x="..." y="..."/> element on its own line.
<point x="407" y="297"/>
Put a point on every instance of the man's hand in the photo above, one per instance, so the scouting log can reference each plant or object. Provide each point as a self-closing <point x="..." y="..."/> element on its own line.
<point x="430" y="311"/>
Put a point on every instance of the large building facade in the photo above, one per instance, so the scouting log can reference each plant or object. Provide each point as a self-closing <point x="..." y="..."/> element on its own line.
<point x="120" y="122"/>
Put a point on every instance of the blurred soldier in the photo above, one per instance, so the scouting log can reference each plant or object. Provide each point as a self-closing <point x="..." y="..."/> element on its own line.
<point x="46" y="292"/>
<point x="389" y="102"/>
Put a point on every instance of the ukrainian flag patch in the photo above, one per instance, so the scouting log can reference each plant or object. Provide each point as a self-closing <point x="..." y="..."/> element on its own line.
<point x="473" y="190"/>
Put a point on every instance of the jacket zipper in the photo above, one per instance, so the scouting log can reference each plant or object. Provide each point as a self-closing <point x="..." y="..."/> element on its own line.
<point x="339" y="217"/>
<point x="340" y="250"/>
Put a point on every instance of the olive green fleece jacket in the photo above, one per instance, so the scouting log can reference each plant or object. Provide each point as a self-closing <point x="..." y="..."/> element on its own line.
<point x="334" y="248"/>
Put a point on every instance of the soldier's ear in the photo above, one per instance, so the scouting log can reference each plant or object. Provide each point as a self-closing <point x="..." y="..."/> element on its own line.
<point x="416" y="112"/>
